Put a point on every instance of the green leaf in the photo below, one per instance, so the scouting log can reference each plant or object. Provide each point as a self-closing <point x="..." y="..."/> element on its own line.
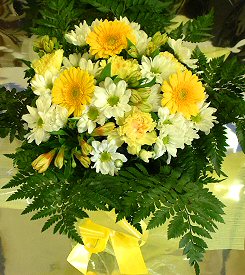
<point x="195" y="30"/>
<point x="177" y="226"/>
<point x="106" y="72"/>
<point x="159" y="218"/>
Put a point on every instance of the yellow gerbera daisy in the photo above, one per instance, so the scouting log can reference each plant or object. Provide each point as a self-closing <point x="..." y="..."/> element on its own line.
<point x="49" y="62"/>
<point x="110" y="38"/>
<point x="73" y="89"/>
<point x="183" y="93"/>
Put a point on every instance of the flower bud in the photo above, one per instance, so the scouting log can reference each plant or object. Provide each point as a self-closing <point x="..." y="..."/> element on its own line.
<point x="84" y="160"/>
<point x="85" y="147"/>
<point x="146" y="155"/>
<point x="159" y="39"/>
<point x="44" y="44"/>
<point x="135" y="97"/>
<point x="145" y="107"/>
<point x="133" y="51"/>
<point x="59" y="160"/>
<point x="144" y="92"/>
<point x="42" y="163"/>
<point x="118" y="163"/>
<point x="104" y="130"/>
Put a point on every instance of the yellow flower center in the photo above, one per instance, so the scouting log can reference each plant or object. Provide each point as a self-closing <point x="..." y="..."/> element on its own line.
<point x="105" y="156"/>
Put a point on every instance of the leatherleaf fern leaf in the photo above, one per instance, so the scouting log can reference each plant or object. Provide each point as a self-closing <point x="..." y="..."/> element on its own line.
<point x="140" y="191"/>
<point x="224" y="83"/>
<point x="195" y="30"/>
<point x="12" y="106"/>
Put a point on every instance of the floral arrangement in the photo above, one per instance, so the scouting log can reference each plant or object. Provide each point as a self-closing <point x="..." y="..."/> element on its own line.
<point x="116" y="119"/>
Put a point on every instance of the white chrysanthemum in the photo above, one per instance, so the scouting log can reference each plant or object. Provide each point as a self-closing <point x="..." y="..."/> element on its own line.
<point x="79" y="36"/>
<point x="205" y="120"/>
<point x="106" y="158"/>
<point x="190" y="132"/>
<point x="112" y="99"/>
<point x="89" y="118"/>
<point x="44" y="119"/>
<point x="175" y="132"/>
<point x="182" y="52"/>
<point x="135" y="26"/>
<point x="142" y="38"/>
<point x="168" y="141"/>
<point x="90" y="67"/>
<point x="72" y="61"/>
<point x="161" y="67"/>
<point x="155" y="97"/>
<point x="142" y="41"/>
<point x="43" y="84"/>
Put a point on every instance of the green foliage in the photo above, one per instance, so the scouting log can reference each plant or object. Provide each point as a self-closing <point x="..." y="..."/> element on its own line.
<point x="55" y="18"/>
<point x="240" y="131"/>
<point x="224" y="83"/>
<point x="58" y="16"/>
<point x="12" y="107"/>
<point x="195" y="30"/>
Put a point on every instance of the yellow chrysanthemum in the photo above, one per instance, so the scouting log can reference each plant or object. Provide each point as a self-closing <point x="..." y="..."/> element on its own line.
<point x="137" y="129"/>
<point x="73" y="89"/>
<point x="183" y="93"/>
<point x="109" y="38"/>
<point x="125" y="69"/>
<point x="49" y="62"/>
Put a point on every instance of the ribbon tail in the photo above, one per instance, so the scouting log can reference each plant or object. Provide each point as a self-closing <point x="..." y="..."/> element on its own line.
<point x="128" y="254"/>
<point x="79" y="258"/>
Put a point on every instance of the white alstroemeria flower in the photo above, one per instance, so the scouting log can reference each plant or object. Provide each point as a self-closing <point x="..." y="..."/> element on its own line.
<point x="105" y="157"/>
<point x="161" y="67"/>
<point x="43" y="84"/>
<point x="112" y="99"/>
<point x="205" y="119"/>
<point x="44" y="119"/>
<point x="79" y="36"/>
<point x="72" y="61"/>
<point x="183" y="53"/>
<point x="90" y="116"/>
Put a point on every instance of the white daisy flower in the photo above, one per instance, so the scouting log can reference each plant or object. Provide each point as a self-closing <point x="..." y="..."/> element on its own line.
<point x="183" y="53"/>
<point x="190" y="132"/>
<point x="79" y="36"/>
<point x="44" y="119"/>
<point x="161" y="67"/>
<point x="112" y="99"/>
<point x="88" y="65"/>
<point x="106" y="158"/>
<point x="72" y="61"/>
<point x="168" y="141"/>
<point x="43" y="84"/>
<point x="142" y="41"/>
<point x="205" y="119"/>
<point x="89" y="118"/>
<point x="155" y="97"/>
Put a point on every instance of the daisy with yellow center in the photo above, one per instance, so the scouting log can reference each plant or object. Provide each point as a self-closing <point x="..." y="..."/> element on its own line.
<point x="183" y="93"/>
<point x="73" y="89"/>
<point x="109" y="38"/>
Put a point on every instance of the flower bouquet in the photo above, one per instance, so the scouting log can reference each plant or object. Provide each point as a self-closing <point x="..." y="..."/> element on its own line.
<point x="116" y="119"/>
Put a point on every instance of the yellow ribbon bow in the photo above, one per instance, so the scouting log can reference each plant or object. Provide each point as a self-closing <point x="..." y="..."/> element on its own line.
<point x="125" y="245"/>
